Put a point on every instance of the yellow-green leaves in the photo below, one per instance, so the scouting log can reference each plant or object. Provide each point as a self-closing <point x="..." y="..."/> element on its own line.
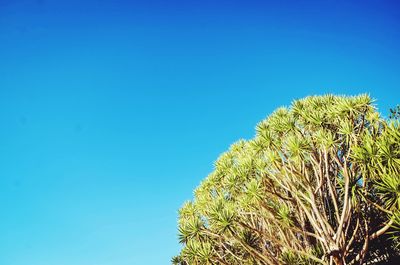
<point x="197" y="252"/>
<point x="190" y="229"/>
<point x="346" y="129"/>
<point x="389" y="189"/>
<point x="254" y="192"/>
<point x="222" y="216"/>
<point x="324" y="139"/>
<point x="323" y="171"/>
<point x="297" y="146"/>
<point x="281" y="121"/>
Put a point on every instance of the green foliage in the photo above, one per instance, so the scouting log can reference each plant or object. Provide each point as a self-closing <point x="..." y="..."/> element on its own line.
<point x="318" y="184"/>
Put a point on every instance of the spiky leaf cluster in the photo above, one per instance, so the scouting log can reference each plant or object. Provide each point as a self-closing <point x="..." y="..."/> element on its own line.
<point x="319" y="183"/>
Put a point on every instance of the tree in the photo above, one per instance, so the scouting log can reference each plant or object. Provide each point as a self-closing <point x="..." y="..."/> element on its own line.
<point x="318" y="184"/>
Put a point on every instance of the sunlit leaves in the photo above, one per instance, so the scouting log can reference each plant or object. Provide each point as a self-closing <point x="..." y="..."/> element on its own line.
<point x="346" y="128"/>
<point x="281" y="121"/>
<point x="297" y="146"/>
<point x="279" y="198"/>
<point x="198" y="252"/>
<point x="389" y="189"/>
<point x="190" y="229"/>
<point x="324" y="139"/>
<point x="254" y="192"/>
<point x="222" y="216"/>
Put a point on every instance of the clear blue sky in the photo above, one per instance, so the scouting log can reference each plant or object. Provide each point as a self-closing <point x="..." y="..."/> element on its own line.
<point x="112" y="112"/>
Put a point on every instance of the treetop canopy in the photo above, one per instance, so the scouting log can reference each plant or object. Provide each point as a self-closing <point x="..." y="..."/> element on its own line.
<point x="319" y="183"/>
